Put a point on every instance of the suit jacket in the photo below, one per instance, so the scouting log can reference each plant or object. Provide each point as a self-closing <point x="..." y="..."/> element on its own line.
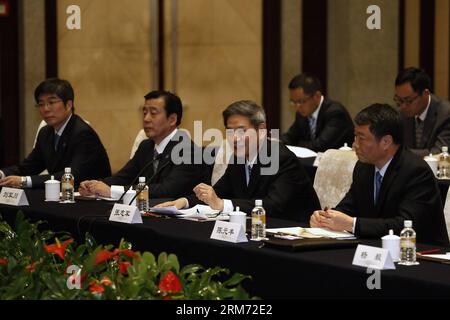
<point x="408" y="192"/>
<point x="334" y="127"/>
<point x="79" y="147"/>
<point x="436" y="129"/>
<point x="286" y="194"/>
<point x="171" y="179"/>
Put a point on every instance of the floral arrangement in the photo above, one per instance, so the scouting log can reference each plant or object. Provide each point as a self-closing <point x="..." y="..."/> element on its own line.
<point x="37" y="264"/>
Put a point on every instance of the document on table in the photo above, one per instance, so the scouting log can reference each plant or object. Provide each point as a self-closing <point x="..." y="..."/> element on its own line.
<point x="199" y="212"/>
<point x="302" y="152"/>
<point x="78" y="196"/>
<point x="311" y="233"/>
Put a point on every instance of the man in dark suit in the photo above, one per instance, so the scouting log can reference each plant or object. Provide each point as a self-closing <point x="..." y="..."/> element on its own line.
<point x="166" y="159"/>
<point x="426" y="117"/>
<point x="66" y="141"/>
<point x="390" y="185"/>
<point x="261" y="169"/>
<point x="320" y="124"/>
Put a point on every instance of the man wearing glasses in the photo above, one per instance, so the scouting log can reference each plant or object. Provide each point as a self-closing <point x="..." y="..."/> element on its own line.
<point x="66" y="141"/>
<point x="426" y="117"/>
<point x="320" y="124"/>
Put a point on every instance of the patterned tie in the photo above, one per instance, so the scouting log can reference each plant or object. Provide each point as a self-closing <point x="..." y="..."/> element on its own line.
<point x="419" y="131"/>
<point x="57" y="136"/>
<point x="312" y="126"/>
<point x="378" y="179"/>
<point x="248" y="173"/>
<point x="155" y="160"/>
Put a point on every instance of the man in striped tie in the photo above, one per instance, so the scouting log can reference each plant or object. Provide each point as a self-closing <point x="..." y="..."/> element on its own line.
<point x="425" y="116"/>
<point x="390" y="184"/>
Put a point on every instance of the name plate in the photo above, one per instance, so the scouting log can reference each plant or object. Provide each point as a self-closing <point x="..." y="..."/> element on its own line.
<point x="373" y="257"/>
<point x="125" y="214"/>
<point x="13" y="197"/>
<point x="228" y="232"/>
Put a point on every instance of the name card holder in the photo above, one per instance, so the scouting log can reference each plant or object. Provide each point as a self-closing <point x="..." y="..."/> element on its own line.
<point x="373" y="257"/>
<point x="13" y="197"/>
<point x="228" y="232"/>
<point x="125" y="214"/>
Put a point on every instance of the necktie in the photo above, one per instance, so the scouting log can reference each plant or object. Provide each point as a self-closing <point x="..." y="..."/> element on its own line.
<point x="248" y="173"/>
<point x="418" y="131"/>
<point x="378" y="179"/>
<point x="312" y="126"/>
<point x="56" y="141"/>
<point x="155" y="160"/>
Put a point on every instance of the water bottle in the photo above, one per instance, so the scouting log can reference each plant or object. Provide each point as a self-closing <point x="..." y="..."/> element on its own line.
<point x="142" y="198"/>
<point x="444" y="164"/>
<point x="67" y="187"/>
<point x="408" y="245"/>
<point x="258" y="222"/>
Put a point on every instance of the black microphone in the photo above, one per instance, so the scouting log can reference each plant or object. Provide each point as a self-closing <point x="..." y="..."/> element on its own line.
<point x="138" y="175"/>
<point x="151" y="178"/>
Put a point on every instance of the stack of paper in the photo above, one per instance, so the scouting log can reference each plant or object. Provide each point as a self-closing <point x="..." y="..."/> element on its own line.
<point x="310" y="233"/>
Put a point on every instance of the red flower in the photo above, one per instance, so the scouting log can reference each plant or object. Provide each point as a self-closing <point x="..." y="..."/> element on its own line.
<point x="58" y="248"/>
<point x="31" y="267"/>
<point x="170" y="283"/>
<point x="123" y="266"/>
<point x="3" y="262"/>
<point x="128" y="253"/>
<point x="96" y="288"/>
<point x="106" y="281"/>
<point x="104" y="255"/>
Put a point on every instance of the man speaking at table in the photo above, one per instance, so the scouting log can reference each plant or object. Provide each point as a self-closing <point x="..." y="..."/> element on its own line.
<point x="154" y="159"/>
<point x="261" y="168"/>
<point x="66" y="141"/>
<point x="390" y="185"/>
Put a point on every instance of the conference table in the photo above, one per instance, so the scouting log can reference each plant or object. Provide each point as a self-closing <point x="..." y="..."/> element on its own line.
<point x="276" y="274"/>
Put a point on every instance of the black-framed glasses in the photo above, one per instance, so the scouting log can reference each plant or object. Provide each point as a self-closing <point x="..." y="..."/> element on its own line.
<point x="51" y="104"/>
<point x="408" y="101"/>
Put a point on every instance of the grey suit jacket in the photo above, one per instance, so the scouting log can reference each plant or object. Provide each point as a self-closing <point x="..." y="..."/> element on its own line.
<point x="436" y="130"/>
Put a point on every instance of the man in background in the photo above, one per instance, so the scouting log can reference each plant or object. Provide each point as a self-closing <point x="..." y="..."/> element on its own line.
<point x="320" y="124"/>
<point x="426" y="117"/>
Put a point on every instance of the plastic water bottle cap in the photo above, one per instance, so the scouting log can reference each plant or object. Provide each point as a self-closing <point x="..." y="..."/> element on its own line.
<point x="141" y="179"/>
<point x="258" y="202"/>
<point x="67" y="170"/>
<point x="408" y="224"/>
<point x="444" y="149"/>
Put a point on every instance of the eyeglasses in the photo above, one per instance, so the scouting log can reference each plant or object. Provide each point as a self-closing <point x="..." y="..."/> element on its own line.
<point x="408" y="101"/>
<point x="51" y="104"/>
<point x="299" y="102"/>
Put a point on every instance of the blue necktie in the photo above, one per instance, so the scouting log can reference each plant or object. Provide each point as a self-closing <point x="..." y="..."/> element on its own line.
<point x="312" y="126"/>
<point x="56" y="141"/>
<point x="378" y="179"/>
<point x="249" y="173"/>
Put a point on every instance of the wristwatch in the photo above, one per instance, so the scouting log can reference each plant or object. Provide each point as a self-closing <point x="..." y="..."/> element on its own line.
<point x="23" y="182"/>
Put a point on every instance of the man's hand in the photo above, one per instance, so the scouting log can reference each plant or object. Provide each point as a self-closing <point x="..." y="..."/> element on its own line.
<point x="331" y="219"/>
<point x="11" y="181"/>
<point x="179" y="203"/>
<point x="207" y="194"/>
<point x="94" y="187"/>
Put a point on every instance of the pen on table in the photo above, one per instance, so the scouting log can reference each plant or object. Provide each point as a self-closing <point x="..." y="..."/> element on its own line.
<point x="429" y="251"/>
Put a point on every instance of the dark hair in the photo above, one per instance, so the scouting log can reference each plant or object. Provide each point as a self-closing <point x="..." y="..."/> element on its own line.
<point x="172" y="102"/>
<point x="309" y="83"/>
<point x="382" y="120"/>
<point x="418" y="79"/>
<point x="62" y="88"/>
<point x="247" y="109"/>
